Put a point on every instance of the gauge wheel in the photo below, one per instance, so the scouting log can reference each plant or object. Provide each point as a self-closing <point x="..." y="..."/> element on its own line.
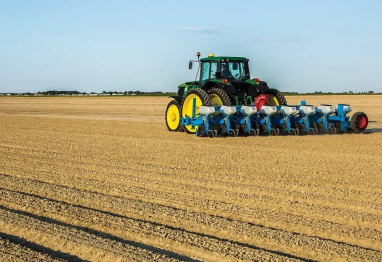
<point x="359" y="122"/>
<point x="320" y="127"/>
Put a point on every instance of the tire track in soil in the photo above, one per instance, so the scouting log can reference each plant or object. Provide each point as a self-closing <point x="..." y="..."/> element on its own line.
<point x="339" y="228"/>
<point x="368" y="192"/>
<point x="91" y="244"/>
<point x="207" y="247"/>
<point x="301" y="245"/>
<point x="339" y="195"/>
<point x="64" y="143"/>
<point x="22" y="249"/>
<point x="301" y="203"/>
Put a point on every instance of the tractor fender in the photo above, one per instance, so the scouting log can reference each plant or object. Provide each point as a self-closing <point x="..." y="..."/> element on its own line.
<point x="177" y="99"/>
<point x="262" y="86"/>
<point x="253" y="90"/>
<point x="230" y="89"/>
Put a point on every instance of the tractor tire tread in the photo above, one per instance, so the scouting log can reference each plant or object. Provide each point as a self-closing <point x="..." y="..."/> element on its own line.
<point x="279" y="96"/>
<point x="222" y="95"/>
<point x="353" y="123"/>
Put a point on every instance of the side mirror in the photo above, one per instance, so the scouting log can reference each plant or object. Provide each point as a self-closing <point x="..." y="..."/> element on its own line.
<point x="235" y="66"/>
<point x="190" y="65"/>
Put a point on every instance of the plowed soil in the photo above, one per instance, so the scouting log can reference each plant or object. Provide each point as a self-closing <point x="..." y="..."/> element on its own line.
<point x="101" y="179"/>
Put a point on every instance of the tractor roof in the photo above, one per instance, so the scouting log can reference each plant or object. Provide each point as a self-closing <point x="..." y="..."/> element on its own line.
<point x="218" y="58"/>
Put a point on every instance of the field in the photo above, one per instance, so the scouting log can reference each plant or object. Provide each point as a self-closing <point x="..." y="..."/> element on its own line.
<point x="102" y="179"/>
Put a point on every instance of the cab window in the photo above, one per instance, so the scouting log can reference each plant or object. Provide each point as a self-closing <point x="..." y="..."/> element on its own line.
<point x="209" y="70"/>
<point x="206" y="71"/>
<point x="233" y="70"/>
<point x="214" y="68"/>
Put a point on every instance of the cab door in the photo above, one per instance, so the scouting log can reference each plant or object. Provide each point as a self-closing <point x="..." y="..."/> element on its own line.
<point x="209" y="70"/>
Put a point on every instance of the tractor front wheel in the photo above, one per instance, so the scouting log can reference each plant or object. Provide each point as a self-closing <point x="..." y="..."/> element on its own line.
<point x="173" y="116"/>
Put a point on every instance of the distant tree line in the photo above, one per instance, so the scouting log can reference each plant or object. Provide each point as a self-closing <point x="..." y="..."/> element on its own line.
<point x="330" y="93"/>
<point x="137" y="92"/>
<point x="56" y="93"/>
<point x="160" y="93"/>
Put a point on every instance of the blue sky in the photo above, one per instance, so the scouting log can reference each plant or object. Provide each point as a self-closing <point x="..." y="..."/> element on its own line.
<point x="85" y="45"/>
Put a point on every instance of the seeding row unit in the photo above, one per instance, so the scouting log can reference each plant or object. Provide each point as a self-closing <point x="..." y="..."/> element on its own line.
<point x="232" y="121"/>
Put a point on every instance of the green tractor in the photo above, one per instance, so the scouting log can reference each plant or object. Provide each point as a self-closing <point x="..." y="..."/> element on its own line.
<point x="223" y="80"/>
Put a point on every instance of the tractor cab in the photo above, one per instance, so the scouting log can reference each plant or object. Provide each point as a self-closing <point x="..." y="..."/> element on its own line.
<point x="234" y="69"/>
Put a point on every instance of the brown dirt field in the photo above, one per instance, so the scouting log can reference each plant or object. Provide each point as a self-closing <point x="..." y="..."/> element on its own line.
<point x="101" y="179"/>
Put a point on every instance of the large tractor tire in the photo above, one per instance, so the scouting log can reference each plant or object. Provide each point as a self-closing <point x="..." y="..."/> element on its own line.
<point x="173" y="116"/>
<point x="201" y="99"/>
<point x="275" y="97"/>
<point x="358" y="122"/>
<point x="219" y="97"/>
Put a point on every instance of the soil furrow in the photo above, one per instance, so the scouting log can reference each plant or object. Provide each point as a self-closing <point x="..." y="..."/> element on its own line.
<point x="249" y="205"/>
<point x="199" y="224"/>
<point x="365" y="191"/>
<point x="67" y="142"/>
<point x="348" y="198"/>
<point x="123" y="199"/>
<point x="21" y="249"/>
<point x="204" y="246"/>
<point x="90" y="244"/>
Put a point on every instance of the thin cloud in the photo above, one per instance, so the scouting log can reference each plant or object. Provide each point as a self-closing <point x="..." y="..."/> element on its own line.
<point x="275" y="39"/>
<point x="198" y="30"/>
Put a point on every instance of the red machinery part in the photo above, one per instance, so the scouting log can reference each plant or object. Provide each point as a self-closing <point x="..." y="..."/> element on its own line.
<point x="361" y="121"/>
<point x="358" y="122"/>
<point x="260" y="101"/>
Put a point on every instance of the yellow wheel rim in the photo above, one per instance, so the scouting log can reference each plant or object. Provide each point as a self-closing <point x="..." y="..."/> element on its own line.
<point x="215" y="100"/>
<point x="272" y="100"/>
<point x="187" y="109"/>
<point x="173" y="117"/>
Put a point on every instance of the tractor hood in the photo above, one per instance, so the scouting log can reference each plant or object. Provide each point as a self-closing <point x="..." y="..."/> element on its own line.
<point x="192" y="83"/>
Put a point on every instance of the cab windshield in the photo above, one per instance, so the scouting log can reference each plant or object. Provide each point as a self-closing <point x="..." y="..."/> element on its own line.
<point x="232" y="70"/>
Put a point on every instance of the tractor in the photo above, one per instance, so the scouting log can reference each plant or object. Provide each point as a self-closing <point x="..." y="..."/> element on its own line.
<point x="223" y="81"/>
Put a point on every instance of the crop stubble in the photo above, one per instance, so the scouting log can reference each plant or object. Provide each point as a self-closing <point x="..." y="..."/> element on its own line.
<point x="102" y="179"/>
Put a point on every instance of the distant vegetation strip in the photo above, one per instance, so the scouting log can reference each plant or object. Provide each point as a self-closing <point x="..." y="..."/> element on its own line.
<point x="159" y="93"/>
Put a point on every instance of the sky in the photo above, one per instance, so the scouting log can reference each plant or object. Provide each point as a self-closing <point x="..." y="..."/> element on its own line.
<point x="97" y="45"/>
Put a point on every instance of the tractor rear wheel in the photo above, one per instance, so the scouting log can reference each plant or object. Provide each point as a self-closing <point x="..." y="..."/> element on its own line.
<point x="201" y="99"/>
<point x="173" y="116"/>
<point x="275" y="97"/>
<point x="219" y="97"/>
<point x="358" y="122"/>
